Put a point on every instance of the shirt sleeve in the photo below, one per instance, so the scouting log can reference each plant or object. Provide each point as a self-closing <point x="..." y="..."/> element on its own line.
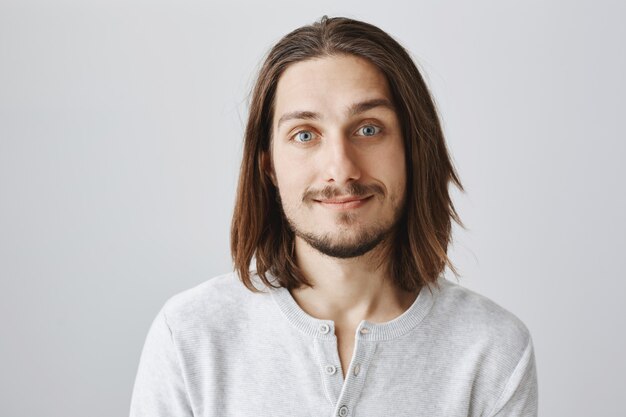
<point x="159" y="389"/>
<point x="519" y="397"/>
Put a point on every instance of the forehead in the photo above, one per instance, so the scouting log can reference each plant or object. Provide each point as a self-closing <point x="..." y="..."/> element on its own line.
<point x="328" y="85"/>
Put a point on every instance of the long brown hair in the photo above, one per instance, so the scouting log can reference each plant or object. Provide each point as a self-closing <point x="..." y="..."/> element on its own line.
<point x="259" y="228"/>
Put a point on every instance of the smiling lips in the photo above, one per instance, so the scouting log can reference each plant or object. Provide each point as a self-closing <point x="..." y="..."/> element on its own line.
<point x="344" y="203"/>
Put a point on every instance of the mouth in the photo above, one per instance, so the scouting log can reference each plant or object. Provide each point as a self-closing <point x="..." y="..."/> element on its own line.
<point x="346" y="203"/>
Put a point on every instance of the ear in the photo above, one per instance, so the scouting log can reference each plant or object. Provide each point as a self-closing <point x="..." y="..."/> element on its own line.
<point x="266" y="166"/>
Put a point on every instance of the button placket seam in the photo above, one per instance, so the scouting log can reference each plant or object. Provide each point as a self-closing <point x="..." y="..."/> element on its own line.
<point x="356" y="382"/>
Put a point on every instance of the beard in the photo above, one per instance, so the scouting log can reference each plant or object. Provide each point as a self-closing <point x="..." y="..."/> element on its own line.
<point x="363" y="242"/>
<point x="346" y="242"/>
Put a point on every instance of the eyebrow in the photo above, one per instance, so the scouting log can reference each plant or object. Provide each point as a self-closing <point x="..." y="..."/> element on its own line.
<point x="352" y="110"/>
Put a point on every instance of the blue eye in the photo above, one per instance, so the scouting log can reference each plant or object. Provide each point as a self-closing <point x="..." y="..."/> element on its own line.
<point x="304" y="136"/>
<point x="369" y="130"/>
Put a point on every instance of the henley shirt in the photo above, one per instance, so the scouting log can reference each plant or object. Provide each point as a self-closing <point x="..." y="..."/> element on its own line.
<point x="220" y="350"/>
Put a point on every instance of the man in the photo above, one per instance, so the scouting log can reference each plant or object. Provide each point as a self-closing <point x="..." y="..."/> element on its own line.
<point x="343" y="208"/>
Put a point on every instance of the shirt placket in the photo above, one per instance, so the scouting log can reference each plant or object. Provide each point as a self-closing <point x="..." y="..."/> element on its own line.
<point x="343" y="394"/>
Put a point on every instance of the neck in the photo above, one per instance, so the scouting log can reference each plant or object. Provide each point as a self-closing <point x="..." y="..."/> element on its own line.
<point x="349" y="290"/>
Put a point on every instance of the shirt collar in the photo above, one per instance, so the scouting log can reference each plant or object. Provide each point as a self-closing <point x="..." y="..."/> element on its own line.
<point x="366" y="330"/>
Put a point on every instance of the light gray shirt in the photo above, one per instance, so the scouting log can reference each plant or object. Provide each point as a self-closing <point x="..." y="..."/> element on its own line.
<point x="219" y="350"/>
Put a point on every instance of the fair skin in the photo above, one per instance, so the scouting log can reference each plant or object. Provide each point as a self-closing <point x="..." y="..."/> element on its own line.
<point x="341" y="175"/>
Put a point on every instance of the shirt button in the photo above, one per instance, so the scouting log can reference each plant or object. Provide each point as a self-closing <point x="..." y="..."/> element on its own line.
<point x="343" y="411"/>
<point x="324" y="328"/>
<point x="357" y="368"/>
<point x="364" y="330"/>
<point x="330" y="370"/>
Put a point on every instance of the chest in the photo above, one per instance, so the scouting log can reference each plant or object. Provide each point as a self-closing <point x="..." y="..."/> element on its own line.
<point x="403" y="377"/>
<point x="345" y="348"/>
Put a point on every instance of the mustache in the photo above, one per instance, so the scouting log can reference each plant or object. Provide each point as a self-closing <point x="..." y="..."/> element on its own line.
<point x="354" y="189"/>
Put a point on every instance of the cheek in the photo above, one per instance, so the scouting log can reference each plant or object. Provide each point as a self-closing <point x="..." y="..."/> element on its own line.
<point x="389" y="166"/>
<point x="282" y="167"/>
<point x="292" y="179"/>
<point x="400" y="176"/>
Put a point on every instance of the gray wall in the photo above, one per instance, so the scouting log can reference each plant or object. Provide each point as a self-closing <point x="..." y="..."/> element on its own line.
<point x="120" y="139"/>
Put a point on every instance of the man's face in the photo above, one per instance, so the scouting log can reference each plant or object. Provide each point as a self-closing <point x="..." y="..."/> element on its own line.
<point x="338" y="154"/>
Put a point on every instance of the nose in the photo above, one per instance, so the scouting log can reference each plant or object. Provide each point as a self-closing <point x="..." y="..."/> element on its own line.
<point x="340" y="160"/>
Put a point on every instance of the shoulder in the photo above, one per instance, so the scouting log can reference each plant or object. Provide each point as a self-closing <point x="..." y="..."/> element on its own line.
<point x="220" y="299"/>
<point x="477" y="318"/>
<point x="484" y="343"/>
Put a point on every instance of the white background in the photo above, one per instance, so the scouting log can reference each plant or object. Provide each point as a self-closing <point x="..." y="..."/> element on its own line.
<point x="120" y="140"/>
